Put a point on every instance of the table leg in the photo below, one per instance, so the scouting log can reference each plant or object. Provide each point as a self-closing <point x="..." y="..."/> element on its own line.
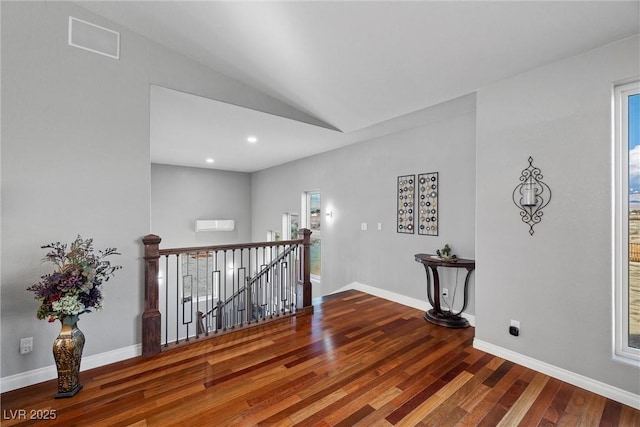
<point x="426" y="269"/>
<point x="436" y="315"/>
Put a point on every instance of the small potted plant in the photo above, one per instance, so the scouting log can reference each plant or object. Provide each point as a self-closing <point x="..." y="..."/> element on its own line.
<point x="445" y="253"/>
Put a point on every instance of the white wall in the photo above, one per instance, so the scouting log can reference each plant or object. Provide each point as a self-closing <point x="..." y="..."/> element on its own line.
<point x="358" y="183"/>
<point x="75" y="159"/>
<point x="558" y="282"/>
<point x="181" y="195"/>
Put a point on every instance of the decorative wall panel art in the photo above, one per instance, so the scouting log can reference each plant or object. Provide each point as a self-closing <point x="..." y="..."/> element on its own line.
<point x="406" y="203"/>
<point x="428" y="204"/>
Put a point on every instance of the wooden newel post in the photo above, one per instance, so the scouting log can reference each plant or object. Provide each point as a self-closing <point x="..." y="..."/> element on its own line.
<point x="304" y="286"/>
<point x="151" y="326"/>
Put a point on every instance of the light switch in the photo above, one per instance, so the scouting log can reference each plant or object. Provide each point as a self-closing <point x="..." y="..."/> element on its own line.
<point x="363" y="226"/>
<point x="379" y="226"/>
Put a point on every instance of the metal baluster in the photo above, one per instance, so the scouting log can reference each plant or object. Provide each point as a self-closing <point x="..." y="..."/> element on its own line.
<point x="269" y="288"/>
<point x="283" y="284"/>
<point x="177" y="296"/>
<point x="187" y="300"/>
<point x="245" y="296"/>
<point x="274" y="283"/>
<point x="249" y="285"/>
<point x="294" y="279"/>
<point x="206" y="302"/>
<point x="264" y="279"/>
<point x="292" y="268"/>
<point x="218" y="323"/>
<point x="166" y="300"/>
<point x="224" y="300"/>
<point x="215" y="288"/>
<point x="197" y="290"/>
<point x="234" y="312"/>
<point x="278" y="268"/>
<point x="265" y="285"/>
<point x="238" y="294"/>
<point x="274" y="287"/>
<point x="263" y="289"/>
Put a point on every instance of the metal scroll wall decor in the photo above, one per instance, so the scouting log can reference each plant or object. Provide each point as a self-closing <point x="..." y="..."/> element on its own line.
<point x="428" y="204"/>
<point x="531" y="195"/>
<point x="406" y="200"/>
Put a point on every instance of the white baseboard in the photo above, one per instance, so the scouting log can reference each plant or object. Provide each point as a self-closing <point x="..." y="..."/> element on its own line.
<point x="400" y="299"/>
<point x="577" y="380"/>
<point x="47" y="373"/>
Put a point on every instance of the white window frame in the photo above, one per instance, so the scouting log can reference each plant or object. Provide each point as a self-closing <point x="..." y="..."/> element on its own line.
<point x="622" y="350"/>
<point x="306" y="223"/>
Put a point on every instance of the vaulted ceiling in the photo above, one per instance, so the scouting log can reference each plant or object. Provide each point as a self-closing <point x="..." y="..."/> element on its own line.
<point x="356" y="64"/>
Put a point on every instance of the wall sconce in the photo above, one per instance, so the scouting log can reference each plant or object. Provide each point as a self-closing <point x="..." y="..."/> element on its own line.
<point x="531" y="195"/>
<point x="329" y="214"/>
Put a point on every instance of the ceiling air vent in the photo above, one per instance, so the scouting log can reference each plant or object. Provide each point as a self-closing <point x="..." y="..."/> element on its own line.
<point x="91" y="37"/>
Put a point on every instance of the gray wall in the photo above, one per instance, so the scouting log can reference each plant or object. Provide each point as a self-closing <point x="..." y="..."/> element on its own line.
<point x="358" y="183"/>
<point x="558" y="282"/>
<point x="181" y="195"/>
<point x="68" y="117"/>
<point x="75" y="159"/>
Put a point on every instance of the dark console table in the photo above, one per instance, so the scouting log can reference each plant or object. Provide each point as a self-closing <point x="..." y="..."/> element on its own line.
<point x="436" y="315"/>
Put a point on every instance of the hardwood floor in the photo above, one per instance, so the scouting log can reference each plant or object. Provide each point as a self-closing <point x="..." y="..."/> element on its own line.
<point x="359" y="360"/>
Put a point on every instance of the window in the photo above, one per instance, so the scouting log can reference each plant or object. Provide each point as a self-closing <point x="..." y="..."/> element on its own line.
<point x="290" y="226"/>
<point x="312" y="207"/>
<point x="200" y="278"/>
<point x="627" y="220"/>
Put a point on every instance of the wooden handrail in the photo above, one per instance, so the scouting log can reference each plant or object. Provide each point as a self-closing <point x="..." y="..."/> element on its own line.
<point x="235" y="246"/>
<point x="151" y="317"/>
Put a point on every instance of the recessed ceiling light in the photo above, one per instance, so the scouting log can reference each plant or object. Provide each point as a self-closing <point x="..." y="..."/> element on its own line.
<point x="252" y="139"/>
<point x="209" y="160"/>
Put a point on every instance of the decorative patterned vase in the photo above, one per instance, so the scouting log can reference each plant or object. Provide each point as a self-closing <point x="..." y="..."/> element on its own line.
<point x="67" y="352"/>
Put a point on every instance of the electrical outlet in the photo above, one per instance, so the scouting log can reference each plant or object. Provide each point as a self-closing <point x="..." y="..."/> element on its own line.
<point x="514" y="328"/>
<point x="445" y="292"/>
<point x="26" y="345"/>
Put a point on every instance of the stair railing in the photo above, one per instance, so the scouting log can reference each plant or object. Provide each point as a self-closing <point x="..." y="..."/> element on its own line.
<point x="255" y="305"/>
<point x="191" y="293"/>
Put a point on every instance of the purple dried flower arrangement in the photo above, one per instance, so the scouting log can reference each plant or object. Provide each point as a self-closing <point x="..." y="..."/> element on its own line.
<point x="75" y="287"/>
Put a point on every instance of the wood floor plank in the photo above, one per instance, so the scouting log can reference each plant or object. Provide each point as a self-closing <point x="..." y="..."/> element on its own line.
<point x="359" y="360"/>
<point x="573" y="412"/>
<point x="355" y="417"/>
<point x="495" y="393"/>
<point x="629" y="416"/>
<point x="593" y="415"/>
<point x="538" y="408"/>
<point x="559" y="404"/>
<point x="611" y="414"/>
<point x="449" y="412"/>
<point x="524" y="402"/>
<point x="425" y="408"/>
